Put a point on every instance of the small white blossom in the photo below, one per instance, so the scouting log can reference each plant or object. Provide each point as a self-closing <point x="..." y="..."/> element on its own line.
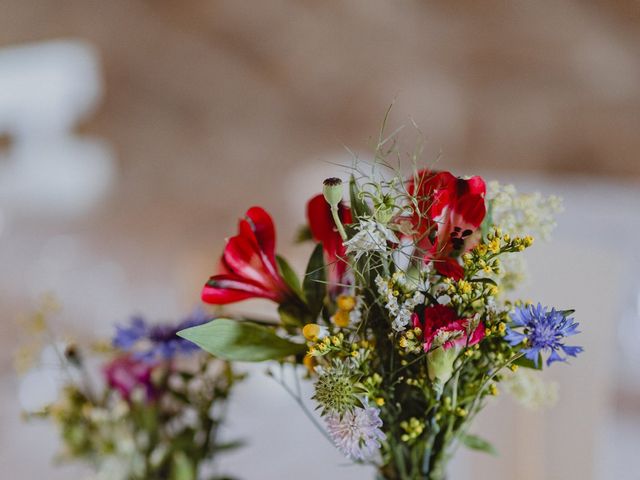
<point x="357" y="432"/>
<point x="530" y="390"/>
<point x="523" y="213"/>
<point x="401" y="313"/>
<point x="371" y="237"/>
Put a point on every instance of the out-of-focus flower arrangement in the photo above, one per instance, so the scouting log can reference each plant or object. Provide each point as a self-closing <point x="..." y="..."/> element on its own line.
<point x="147" y="405"/>
<point x="401" y="319"/>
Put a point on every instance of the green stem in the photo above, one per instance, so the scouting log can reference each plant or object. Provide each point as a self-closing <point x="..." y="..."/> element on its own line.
<point x="338" y="222"/>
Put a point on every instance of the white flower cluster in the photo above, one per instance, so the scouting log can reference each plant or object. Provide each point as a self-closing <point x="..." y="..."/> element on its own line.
<point x="400" y="311"/>
<point x="371" y="237"/>
<point x="530" y="390"/>
<point x="523" y="214"/>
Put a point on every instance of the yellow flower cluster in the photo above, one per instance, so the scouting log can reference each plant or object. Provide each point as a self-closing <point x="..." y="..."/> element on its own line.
<point x="413" y="429"/>
<point x="345" y="304"/>
<point x="410" y="340"/>
<point x="322" y="346"/>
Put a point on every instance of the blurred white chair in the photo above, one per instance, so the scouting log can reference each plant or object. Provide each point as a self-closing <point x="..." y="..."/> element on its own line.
<point x="46" y="89"/>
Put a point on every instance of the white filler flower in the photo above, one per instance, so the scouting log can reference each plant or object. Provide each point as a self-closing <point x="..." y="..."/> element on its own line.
<point x="371" y="237"/>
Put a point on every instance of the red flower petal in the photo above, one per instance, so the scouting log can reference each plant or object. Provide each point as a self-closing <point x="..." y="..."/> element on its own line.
<point x="223" y="289"/>
<point x="449" y="212"/>
<point x="248" y="267"/>
<point x="264" y="231"/>
<point x="441" y="318"/>
<point x="449" y="267"/>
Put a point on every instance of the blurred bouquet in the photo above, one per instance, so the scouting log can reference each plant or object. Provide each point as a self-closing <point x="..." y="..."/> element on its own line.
<point x="148" y="406"/>
<point x="407" y="330"/>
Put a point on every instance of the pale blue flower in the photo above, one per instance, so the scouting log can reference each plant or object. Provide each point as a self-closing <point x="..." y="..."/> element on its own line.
<point x="356" y="432"/>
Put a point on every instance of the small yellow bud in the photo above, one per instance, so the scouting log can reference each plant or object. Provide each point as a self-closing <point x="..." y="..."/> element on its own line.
<point x="309" y="362"/>
<point x="403" y="342"/>
<point x="514" y="368"/>
<point x="380" y="401"/>
<point x="346" y="302"/>
<point x="341" y="318"/>
<point x="311" y="331"/>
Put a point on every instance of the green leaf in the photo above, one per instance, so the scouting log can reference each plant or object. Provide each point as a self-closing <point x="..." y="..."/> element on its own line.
<point x="293" y="315"/>
<point x="240" y="341"/>
<point x="314" y="284"/>
<point x="526" y="363"/>
<point x="182" y="469"/>
<point x="488" y="220"/>
<point x="303" y="234"/>
<point x="484" y="280"/>
<point x="289" y="275"/>
<point x="219" y="447"/>
<point x="477" y="443"/>
<point x="358" y="207"/>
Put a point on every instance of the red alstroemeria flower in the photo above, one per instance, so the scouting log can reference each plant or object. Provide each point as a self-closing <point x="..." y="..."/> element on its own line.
<point x="323" y="230"/>
<point x="446" y="222"/>
<point x="442" y="320"/>
<point x="248" y="265"/>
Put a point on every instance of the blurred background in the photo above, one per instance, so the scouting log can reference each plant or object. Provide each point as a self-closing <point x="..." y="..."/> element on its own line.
<point x="133" y="133"/>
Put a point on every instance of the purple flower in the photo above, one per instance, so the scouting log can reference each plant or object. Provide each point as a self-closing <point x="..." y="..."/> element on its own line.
<point x="150" y="343"/>
<point x="542" y="330"/>
<point x="356" y="432"/>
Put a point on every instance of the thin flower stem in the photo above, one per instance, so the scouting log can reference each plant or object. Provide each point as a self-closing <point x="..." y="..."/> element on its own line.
<point x="298" y="400"/>
<point x="338" y="222"/>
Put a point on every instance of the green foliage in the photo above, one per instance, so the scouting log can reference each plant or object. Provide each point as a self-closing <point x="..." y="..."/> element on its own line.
<point x="358" y="207"/>
<point x="314" y="284"/>
<point x="477" y="443"/>
<point x="182" y="468"/>
<point x="241" y="341"/>
<point x="526" y="363"/>
<point x="289" y="275"/>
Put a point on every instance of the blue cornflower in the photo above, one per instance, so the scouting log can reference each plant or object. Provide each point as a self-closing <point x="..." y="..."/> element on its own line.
<point x="542" y="330"/>
<point x="157" y="342"/>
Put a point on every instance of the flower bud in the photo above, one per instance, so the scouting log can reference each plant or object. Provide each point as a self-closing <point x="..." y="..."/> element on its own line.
<point x="332" y="191"/>
<point x="440" y="364"/>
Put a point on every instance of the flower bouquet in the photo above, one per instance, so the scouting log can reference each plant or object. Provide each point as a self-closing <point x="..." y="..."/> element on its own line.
<point x="146" y="407"/>
<point x="400" y="319"/>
